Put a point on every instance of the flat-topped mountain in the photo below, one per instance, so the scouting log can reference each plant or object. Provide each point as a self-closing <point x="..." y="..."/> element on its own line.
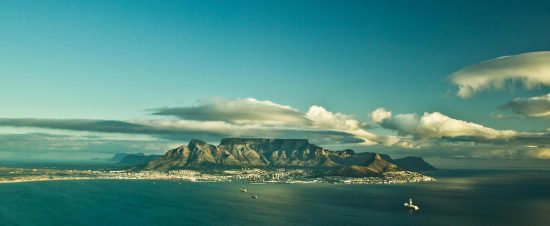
<point x="274" y="153"/>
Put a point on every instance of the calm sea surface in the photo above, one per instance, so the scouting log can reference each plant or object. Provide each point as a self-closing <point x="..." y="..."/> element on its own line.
<point x="460" y="197"/>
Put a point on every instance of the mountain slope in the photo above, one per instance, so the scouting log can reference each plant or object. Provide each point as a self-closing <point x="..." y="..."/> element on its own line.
<point x="376" y="166"/>
<point x="137" y="159"/>
<point x="414" y="163"/>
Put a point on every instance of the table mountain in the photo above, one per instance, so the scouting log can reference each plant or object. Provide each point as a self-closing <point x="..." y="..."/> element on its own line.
<point x="273" y="153"/>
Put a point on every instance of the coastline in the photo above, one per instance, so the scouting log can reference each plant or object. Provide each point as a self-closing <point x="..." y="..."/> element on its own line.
<point x="281" y="176"/>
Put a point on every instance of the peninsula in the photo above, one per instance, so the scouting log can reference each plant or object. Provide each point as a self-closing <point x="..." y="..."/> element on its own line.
<point x="247" y="159"/>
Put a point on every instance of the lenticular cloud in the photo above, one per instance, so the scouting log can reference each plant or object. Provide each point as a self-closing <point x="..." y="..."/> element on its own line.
<point x="529" y="69"/>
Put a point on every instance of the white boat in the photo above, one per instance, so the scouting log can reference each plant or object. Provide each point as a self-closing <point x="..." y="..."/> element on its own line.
<point x="410" y="205"/>
<point x="243" y="189"/>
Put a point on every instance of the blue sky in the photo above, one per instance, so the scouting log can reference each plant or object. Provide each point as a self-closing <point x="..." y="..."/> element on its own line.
<point x="123" y="60"/>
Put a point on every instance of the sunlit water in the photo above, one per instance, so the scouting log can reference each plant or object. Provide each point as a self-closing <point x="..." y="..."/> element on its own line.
<point x="460" y="197"/>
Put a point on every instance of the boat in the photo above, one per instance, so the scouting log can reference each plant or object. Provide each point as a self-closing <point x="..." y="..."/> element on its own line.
<point x="243" y="190"/>
<point x="254" y="197"/>
<point x="410" y="205"/>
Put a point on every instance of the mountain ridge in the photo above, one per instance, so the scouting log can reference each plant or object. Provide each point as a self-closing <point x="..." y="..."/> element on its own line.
<point x="274" y="153"/>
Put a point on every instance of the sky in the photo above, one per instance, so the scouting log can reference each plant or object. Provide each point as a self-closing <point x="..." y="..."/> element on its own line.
<point x="446" y="80"/>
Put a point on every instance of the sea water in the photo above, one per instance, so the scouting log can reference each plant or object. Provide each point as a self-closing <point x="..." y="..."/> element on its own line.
<point x="459" y="197"/>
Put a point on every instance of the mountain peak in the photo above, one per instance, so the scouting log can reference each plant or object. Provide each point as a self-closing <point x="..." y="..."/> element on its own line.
<point x="193" y="142"/>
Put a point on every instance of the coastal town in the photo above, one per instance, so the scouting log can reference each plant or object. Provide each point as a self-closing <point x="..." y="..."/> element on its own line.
<point x="252" y="175"/>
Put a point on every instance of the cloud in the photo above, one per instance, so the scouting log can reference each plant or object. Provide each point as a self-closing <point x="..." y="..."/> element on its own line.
<point x="239" y="111"/>
<point x="535" y="107"/>
<point x="110" y="126"/>
<point x="434" y="134"/>
<point x="422" y="133"/>
<point x="213" y="119"/>
<point x="160" y="128"/>
<point x="542" y="153"/>
<point x="484" y="151"/>
<point x="218" y="118"/>
<point x="250" y="113"/>
<point x="529" y="69"/>
<point x="173" y="129"/>
<point x="321" y="118"/>
<point x="44" y="146"/>
<point x="523" y="146"/>
<point x="521" y="139"/>
<point x="436" y="126"/>
<point x="215" y="130"/>
<point x="380" y="115"/>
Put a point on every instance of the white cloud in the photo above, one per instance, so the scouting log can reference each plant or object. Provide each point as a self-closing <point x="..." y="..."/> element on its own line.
<point x="322" y="118"/>
<point x="235" y="116"/>
<point x="238" y="111"/>
<point x="379" y="115"/>
<point x="436" y="125"/>
<point x="250" y="111"/>
<point x="530" y="69"/>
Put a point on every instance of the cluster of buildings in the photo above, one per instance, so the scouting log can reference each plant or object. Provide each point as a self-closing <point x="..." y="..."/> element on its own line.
<point x="251" y="175"/>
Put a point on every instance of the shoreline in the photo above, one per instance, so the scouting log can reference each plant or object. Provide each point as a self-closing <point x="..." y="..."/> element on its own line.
<point x="252" y="176"/>
<point x="190" y="181"/>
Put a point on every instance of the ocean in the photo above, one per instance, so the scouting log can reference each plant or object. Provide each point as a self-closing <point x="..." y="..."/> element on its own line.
<point x="459" y="197"/>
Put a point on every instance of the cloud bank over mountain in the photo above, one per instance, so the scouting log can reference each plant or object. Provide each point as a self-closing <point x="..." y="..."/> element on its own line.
<point x="246" y="117"/>
<point x="214" y="119"/>
<point x="218" y="118"/>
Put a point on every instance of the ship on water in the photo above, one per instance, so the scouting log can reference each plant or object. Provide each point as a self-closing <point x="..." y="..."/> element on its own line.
<point x="410" y="205"/>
